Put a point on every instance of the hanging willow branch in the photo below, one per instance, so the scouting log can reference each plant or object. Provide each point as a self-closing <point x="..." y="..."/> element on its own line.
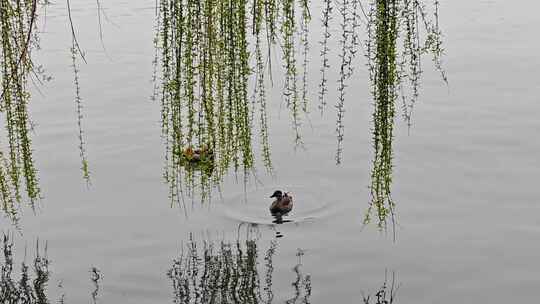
<point x="395" y="72"/>
<point x="207" y="68"/>
<point x="323" y="86"/>
<point x="79" y="108"/>
<point x="76" y="52"/>
<point x="18" y="39"/>
<point x="383" y="76"/>
<point x="399" y="34"/>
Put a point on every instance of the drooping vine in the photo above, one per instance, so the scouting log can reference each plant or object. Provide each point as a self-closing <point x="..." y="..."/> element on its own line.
<point x="18" y="175"/>
<point x="382" y="39"/>
<point x="399" y="34"/>
<point x="349" y="43"/>
<point x="304" y="40"/>
<point x="395" y="72"/>
<point x="323" y="86"/>
<point x="76" y="53"/>
<point x="211" y="53"/>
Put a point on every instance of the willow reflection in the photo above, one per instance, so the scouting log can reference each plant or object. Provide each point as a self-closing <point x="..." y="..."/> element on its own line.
<point x="229" y="273"/>
<point x="29" y="284"/>
<point x="31" y="287"/>
<point x="386" y="294"/>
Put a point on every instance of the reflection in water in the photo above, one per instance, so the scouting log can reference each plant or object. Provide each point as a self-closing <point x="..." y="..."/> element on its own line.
<point x="386" y="294"/>
<point x="205" y="272"/>
<point x="302" y="284"/>
<point x="278" y="220"/>
<point x="228" y="273"/>
<point x="268" y="263"/>
<point x="95" y="277"/>
<point x="203" y="52"/>
<point x="31" y="287"/>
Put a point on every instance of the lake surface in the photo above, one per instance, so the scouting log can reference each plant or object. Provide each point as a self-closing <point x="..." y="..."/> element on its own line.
<point x="465" y="183"/>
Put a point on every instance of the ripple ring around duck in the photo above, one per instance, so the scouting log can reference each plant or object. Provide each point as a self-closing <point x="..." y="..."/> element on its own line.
<point x="310" y="204"/>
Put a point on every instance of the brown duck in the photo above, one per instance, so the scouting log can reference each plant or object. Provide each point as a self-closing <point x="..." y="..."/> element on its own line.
<point x="282" y="204"/>
<point x="196" y="155"/>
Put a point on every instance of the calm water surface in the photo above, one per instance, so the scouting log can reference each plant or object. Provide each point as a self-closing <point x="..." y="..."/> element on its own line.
<point x="466" y="177"/>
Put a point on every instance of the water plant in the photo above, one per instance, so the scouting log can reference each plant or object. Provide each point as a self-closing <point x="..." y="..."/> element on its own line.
<point x="18" y="175"/>
<point x="211" y="52"/>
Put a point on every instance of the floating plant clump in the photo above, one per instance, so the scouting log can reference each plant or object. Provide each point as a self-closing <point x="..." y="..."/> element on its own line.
<point x="18" y="175"/>
<point x="395" y="74"/>
<point x="211" y="54"/>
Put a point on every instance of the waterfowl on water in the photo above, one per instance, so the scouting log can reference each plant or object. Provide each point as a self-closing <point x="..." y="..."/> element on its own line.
<point x="195" y="155"/>
<point x="282" y="204"/>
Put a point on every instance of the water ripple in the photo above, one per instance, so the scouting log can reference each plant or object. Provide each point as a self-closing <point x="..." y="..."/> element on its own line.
<point x="310" y="204"/>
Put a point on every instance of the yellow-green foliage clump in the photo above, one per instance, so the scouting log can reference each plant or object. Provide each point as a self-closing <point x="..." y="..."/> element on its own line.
<point x="18" y="176"/>
<point x="212" y="55"/>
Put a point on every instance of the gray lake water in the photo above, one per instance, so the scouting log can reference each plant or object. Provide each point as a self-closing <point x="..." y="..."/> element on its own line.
<point x="465" y="183"/>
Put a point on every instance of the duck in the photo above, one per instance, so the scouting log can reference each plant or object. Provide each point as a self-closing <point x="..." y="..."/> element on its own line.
<point x="196" y="155"/>
<point x="283" y="203"/>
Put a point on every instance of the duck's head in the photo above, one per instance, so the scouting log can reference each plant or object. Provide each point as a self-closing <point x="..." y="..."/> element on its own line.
<point x="277" y="194"/>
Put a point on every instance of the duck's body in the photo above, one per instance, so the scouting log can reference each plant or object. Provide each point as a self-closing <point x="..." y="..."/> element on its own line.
<point x="283" y="203"/>
<point x="196" y="155"/>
